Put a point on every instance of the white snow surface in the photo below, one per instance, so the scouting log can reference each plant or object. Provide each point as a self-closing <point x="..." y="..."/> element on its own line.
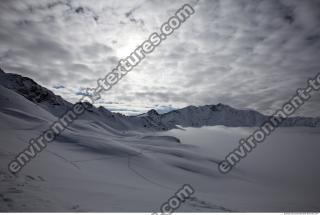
<point x="98" y="166"/>
<point x="91" y="167"/>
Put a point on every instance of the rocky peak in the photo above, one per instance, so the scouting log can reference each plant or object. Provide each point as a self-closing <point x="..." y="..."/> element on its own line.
<point x="153" y="112"/>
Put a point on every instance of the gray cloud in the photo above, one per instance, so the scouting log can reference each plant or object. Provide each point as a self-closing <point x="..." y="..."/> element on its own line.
<point x="245" y="53"/>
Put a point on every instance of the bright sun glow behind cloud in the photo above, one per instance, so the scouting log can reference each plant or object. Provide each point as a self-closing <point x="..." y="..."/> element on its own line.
<point x="129" y="43"/>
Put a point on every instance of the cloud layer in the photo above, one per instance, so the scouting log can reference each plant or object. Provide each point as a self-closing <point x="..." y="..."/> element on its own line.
<point x="245" y="53"/>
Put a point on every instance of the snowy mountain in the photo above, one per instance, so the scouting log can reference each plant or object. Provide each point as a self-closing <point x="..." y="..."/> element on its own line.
<point x="220" y="114"/>
<point x="103" y="161"/>
<point x="191" y="116"/>
<point x="57" y="106"/>
<point x="35" y="93"/>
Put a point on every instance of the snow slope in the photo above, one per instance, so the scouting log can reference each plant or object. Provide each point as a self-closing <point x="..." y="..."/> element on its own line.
<point x="110" y="166"/>
<point x="90" y="167"/>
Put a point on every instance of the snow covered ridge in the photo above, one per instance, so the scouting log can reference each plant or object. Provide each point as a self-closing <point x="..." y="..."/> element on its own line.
<point x="191" y="116"/>
<point x="102" y="163"/>
<point x="34" y="93"/>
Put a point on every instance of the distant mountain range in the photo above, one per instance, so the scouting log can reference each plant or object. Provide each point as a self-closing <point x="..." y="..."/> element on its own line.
<point x="191" y="116"/>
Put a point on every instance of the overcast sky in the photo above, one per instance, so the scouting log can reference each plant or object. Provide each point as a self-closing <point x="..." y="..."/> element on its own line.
<point x="244" y="53"/>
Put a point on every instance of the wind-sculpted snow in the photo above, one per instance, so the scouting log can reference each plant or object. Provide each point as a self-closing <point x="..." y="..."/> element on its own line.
<point x="105" y="160"/>
<point x="168" y="138"/>
<point x="90" y="158"/>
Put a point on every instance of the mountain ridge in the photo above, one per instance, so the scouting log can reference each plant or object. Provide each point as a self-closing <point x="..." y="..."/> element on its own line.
<point x="190" y="116"/>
